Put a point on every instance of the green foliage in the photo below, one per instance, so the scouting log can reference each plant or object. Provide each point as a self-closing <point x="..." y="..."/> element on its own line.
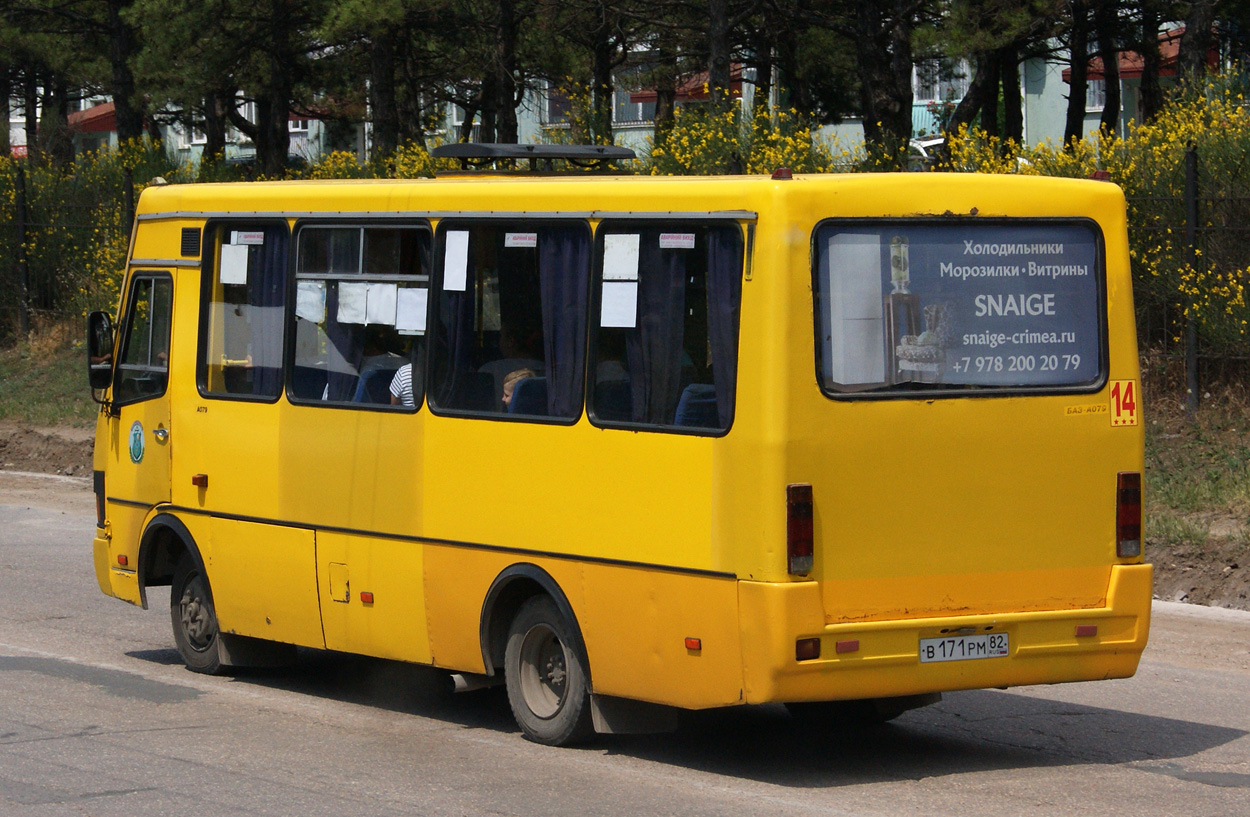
<point x="76" y="243"/>
<point x="1148" y="162"/>
<point x="705" y="141"/>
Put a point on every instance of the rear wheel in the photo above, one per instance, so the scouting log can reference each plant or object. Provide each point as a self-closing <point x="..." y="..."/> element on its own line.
<point x="546" y="676"/>
<point x="194" y="619"/>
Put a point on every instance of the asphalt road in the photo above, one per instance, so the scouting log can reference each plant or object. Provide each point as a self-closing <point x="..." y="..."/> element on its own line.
<point x="98" y="717"/>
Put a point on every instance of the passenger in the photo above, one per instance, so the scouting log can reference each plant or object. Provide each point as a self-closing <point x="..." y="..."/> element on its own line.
<point x="509" y="384"/>
<point x="515" y="354"/>
<point x="401" y="387"/>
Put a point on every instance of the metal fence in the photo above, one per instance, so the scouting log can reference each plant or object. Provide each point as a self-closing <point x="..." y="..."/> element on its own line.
<point x="49" y="234"/>
<point x="1205" y="235"/>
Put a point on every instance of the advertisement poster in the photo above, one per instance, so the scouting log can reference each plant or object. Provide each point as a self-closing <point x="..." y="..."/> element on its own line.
<point x="960" y="304"/>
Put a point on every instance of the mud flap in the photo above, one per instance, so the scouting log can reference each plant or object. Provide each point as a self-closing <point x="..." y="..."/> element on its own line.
<point x="621" y="716"/>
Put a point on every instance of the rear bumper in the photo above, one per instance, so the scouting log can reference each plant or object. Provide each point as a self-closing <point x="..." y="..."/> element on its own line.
<point x="1044" y="646"/>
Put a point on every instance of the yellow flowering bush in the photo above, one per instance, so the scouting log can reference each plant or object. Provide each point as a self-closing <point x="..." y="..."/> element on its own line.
<point x="1148" y="162"/>
<point x="76" y="241"/>
<point x="704" y="141"/>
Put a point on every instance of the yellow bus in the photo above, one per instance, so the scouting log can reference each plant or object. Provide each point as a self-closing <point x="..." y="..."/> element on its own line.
<point x="632" y="446"/>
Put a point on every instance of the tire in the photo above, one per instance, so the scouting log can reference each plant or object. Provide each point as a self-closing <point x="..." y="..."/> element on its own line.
<point x="546" y="675"/>
<point x="194" y="619"/>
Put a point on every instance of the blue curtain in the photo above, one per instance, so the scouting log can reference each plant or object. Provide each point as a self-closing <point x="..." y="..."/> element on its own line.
<point x="349" y="341"/>
<point x="724" y="296"/>
<point x="564" y="272"/>
<point x="266" y="291"/>
<point x="654" y="347"/>
<point x="453" y="336"/>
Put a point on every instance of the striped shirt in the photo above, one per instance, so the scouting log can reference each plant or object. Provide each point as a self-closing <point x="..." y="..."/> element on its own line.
<point x="401" y="386"/>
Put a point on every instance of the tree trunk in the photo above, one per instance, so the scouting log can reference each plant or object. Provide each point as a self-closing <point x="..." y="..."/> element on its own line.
<point x="1151" y="94"/>
<point x="718" y="46"/>
<point x="989" y="108"/>
<point x="1078" y="47"/>
<point x="504" y="70"/>
<point x="215" y="126"/>
<point x="601" y="90"/>
<point x="1197" y="41"/>
<point x="1104" y="20"/>
<point x="791" y="77"/>
<point x="30" y="109"/>
<point x="1013" y="105"/>
<point x="984" y="84"/>
<point x="487" y="99"/>
<point x="55" y="141"/>
<point x="273" y="105"/>
<point x="883" y="49"/>
<point x="383" y="110"/>
<point x="665" y="77"/>
<point x="122" y="47"/>
<point x="6" y="94"/>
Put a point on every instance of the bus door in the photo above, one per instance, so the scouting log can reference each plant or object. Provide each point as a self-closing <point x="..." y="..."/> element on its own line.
<point x="139" y="434"/>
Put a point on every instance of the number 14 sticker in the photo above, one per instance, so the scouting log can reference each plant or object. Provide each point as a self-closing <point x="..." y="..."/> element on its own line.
<point x="1124" y="399"/>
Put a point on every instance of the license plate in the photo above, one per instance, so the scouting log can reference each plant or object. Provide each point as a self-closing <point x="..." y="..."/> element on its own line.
<point x="963" y="647"/>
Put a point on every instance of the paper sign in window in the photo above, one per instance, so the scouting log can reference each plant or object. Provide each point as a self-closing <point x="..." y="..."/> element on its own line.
<point x="619" y="306"/>
<point x="234" y="263"/>
<point x="353" y="300"/>
<point x="310" y="301"/>
<point x="410" y="309"/>
<point x="241" y="237"/>
<point x="380" y="305"/>
<point x="456" y="261"/>
<point x="620" y="258"/>
<point x="677" y="241"/>
<point x="520" y="239"/>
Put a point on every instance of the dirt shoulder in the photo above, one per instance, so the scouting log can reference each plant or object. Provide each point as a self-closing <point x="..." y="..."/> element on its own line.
<point x="52" y="468"/>
<point x="64" y="451"/>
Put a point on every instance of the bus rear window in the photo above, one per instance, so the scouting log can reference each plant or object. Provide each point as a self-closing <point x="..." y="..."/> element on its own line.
<point x="925" y="306"/>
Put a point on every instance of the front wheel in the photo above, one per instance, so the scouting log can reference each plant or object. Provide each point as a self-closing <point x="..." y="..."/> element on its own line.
<point x="194" y="619"/>
<point x="546" y="676"/>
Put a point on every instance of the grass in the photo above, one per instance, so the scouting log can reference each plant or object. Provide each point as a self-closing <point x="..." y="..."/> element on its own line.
<point x="1197" y="483"/>
<point x="43" y="381"/>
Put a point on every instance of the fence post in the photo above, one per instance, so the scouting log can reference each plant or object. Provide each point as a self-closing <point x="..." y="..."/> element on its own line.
<point x="23" y="267"/>
<point x="128" y="202"/>
<point x="1191" y="238"/>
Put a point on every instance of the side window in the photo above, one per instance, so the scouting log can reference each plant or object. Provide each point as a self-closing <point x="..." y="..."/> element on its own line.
<point x="143" y="366"/>
<point x="360" y="314"/>
<point x="665" y="348"/>
<point x="245" y="301"/>
<point x="509" y="331"/>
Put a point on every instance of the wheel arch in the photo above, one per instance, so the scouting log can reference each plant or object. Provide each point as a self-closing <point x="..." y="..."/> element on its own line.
<point x="510" y="589"/>
<point x="165" y="541"/>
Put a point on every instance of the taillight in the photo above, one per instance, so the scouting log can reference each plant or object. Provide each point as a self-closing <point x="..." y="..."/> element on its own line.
<point x="799" y="529"/>
<point x="1128" y="514"/>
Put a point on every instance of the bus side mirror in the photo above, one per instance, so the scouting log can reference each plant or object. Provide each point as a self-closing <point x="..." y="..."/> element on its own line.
<point x="99" y="350"/>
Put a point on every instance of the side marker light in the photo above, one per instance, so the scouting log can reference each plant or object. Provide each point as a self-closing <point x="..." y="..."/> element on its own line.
<point x="695" y="644"/>
<point x="1086" y="630"/>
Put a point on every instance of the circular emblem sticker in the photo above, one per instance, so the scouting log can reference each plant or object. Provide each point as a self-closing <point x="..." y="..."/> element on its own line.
<point x="136" y="442"/>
